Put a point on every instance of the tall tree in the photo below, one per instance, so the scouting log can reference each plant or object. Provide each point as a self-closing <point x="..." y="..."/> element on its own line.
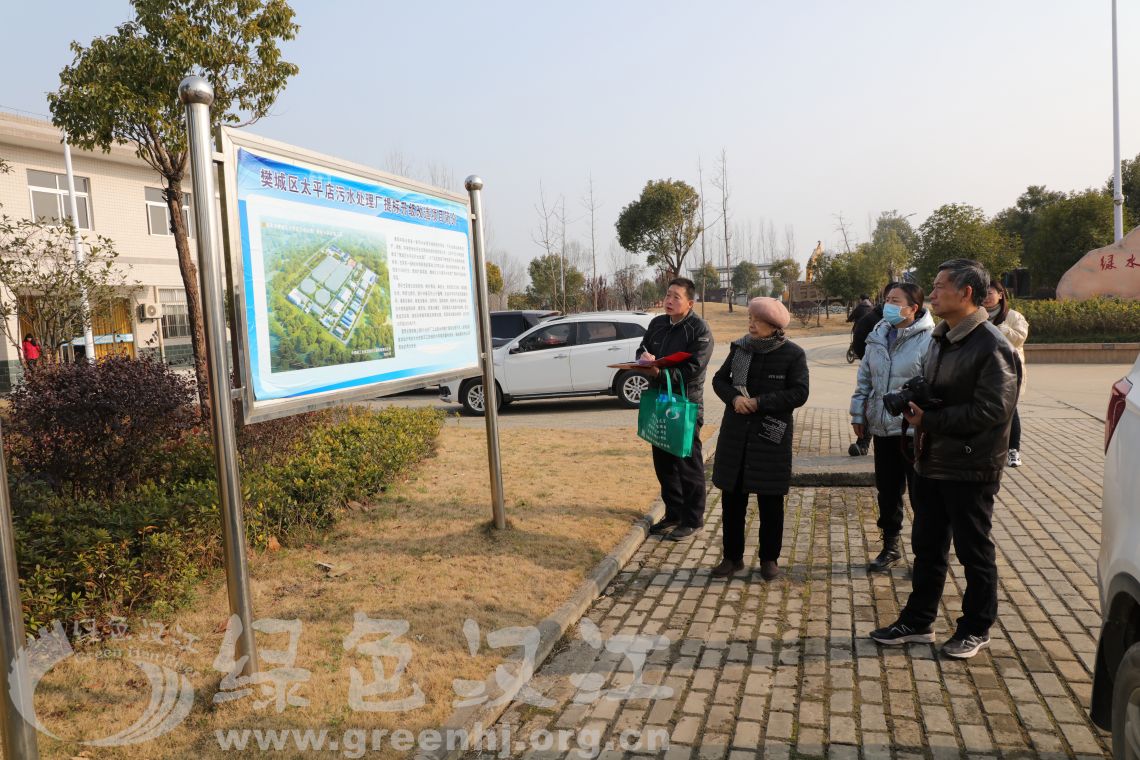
<point x="745" y="278"/>
<point x="783" y="272"/>
<point x="122" y="89"/>
<point x="591" y="205"/>
<point x="663" y="224"/>
<point x="894" y="242"/>
<point x="959" y="231"/>
<point x="546" y="235"/>
<point x="1064" y="231"/>
<point x="721" y="183"/>
<point x="545" y="291"/>
<point x="707" y="278"/>
<point x="1018" y="220"/>
<point x="1129" y="185"/>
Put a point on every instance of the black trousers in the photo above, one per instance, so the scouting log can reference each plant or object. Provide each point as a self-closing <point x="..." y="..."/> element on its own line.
<point x="1015" y="431"/>
<point x="734" y="505"/>
<point x="682" y="482"/>
<point x="893" y="476"/>
<point x="962" y="511"/>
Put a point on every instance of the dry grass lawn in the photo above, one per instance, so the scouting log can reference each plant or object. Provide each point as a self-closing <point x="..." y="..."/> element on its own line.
<point x="423" y="553"/>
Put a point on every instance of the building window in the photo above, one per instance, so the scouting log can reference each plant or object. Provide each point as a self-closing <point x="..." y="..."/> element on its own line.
<point x="175" y="315"/>
<point x="158" y="213"/>
<point x="49" y="197"/>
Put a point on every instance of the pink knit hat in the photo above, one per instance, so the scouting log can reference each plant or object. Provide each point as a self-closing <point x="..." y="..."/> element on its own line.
<point x="770" y="310"/>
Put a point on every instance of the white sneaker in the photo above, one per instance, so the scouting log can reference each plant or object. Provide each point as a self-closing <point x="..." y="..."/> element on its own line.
<point x="1014" y="458"/>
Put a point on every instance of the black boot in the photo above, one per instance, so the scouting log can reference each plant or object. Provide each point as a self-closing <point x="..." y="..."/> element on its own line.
<point x="890" y="556"/>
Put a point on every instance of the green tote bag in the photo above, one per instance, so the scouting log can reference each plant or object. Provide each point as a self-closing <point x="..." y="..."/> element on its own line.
<point x="667" y="420"/>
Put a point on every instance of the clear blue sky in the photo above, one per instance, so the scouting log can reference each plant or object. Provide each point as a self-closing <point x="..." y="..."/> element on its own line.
<point x="823" y="107"/>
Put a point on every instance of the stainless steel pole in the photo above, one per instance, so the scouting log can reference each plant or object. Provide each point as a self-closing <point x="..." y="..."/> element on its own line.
<point x="197" y="95"/>
<point x="19" y="734"/>
<point x="77" y="249"/>
<point x="1117" y="190"/>
<point x="474" y="185"/>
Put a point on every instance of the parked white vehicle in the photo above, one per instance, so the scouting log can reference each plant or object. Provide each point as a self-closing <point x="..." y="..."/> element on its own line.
<point x="563" y="356"/>
<point x="1116" y="679"/>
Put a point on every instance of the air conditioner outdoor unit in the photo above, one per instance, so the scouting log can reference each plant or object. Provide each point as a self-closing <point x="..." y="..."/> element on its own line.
<point x="149" y="311"/>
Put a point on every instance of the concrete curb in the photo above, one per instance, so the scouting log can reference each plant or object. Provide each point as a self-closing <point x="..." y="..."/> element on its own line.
<point x="551" y="630"/>
<point x="833" y="471"/>
<point x="806" y="471"/>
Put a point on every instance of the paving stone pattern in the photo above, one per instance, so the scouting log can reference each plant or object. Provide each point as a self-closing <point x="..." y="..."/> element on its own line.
<point x="784" y="669"/>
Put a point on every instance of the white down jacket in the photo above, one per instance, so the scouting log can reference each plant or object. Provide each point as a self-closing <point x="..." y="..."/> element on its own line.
<point x="884" y="370"/>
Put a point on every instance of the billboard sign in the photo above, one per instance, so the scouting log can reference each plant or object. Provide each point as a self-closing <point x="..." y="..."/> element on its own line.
<point x="350" y="283"/>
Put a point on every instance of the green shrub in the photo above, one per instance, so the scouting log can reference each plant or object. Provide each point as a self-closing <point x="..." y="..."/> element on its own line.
<point x="353" y="454"/>
<point x="1098" y="320"/>
<point x="147" y="547"/>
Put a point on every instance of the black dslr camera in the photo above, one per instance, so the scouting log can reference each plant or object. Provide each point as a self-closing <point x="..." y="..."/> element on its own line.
<point x="915" y="390"/>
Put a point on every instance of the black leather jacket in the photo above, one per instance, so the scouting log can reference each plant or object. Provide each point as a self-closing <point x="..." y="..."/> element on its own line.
<point x="975" y="373"/>
<point x="691" y="335"/>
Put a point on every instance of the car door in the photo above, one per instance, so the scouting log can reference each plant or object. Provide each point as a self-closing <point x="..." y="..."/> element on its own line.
<point x="540" y="361"/>
<point x="599" y="343"/>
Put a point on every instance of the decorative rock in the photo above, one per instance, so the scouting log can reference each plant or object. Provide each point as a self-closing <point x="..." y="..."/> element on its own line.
<point x="1110" y="271"/>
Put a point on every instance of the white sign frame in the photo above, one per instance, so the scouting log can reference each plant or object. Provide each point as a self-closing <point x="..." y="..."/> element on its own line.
<point x="258" y="409"/>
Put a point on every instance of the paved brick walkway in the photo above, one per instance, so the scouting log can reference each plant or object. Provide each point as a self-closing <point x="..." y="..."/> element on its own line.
<point x="784" y="669"/>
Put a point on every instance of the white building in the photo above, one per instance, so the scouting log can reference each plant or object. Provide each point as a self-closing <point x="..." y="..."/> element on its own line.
<point x="119" y="197"/>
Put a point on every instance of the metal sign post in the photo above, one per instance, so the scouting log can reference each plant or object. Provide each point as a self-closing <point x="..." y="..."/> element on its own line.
<point x="474" y="185"/>
<point x="197" y="95"/>
<point x="19" y="735"/>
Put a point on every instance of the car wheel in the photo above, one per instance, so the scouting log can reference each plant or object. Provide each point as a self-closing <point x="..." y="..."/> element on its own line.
<point x="630" y="385"/>
<point x="473" y="399"/>
<point x="1126" y="706"/>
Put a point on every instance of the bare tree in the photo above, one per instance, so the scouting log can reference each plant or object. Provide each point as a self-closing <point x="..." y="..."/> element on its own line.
<point x="441" y="175"/>
<point x="398" y="163"/>
<point x="591" y="205"/>
<point x="844" y="229"/>
<point x="546" y="234"/>
<point x="720" y="182"/>
<point x="789" y="241"/>
<point x="772" y="245"/>
<point x="627" y="274"/>
<point x="704" y="260"/>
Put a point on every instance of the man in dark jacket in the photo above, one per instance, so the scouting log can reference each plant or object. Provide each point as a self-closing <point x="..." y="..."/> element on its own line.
<point x="682" y="479"/>
<point x="862" y="309"/>
<point x="961" y="439"/>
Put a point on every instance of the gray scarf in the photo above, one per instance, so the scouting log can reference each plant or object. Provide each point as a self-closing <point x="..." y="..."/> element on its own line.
<point x="745" y="348"/>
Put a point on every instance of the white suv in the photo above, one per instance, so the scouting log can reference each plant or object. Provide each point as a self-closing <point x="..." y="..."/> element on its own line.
<point x="563" y="356"/>
<point x="1116" y="679"/>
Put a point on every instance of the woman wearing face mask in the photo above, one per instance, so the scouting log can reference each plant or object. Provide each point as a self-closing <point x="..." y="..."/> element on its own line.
<point x="763" y="380"/>
<point x="1015" y="328"/>
<point x="895" y="351"/>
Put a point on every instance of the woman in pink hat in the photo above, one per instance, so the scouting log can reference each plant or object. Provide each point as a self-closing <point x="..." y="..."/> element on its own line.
<point x="763" y="380"/>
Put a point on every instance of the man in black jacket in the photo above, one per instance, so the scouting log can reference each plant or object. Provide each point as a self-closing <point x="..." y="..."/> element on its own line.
<point x="961" y="438"/>
<point x="682" y="479"/>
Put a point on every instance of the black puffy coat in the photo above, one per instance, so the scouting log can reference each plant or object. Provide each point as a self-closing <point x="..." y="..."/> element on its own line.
<point x="746" y="460"/>
<point x="975" y="374"/>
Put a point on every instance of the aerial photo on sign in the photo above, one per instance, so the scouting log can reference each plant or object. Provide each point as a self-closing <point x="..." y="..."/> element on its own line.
<point x="352" y="282"/>
<point x="329" y="295"/>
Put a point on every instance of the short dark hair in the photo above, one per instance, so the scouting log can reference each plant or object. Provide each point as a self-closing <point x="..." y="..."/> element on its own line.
<point x="914" y="294"/>
<point x="967" y="272"/>
<point x="689" y="286"/>
<point x="864" y="297"/>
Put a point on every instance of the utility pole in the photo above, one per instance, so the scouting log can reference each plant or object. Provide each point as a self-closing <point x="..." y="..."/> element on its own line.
<point x="1117" y="190"/>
